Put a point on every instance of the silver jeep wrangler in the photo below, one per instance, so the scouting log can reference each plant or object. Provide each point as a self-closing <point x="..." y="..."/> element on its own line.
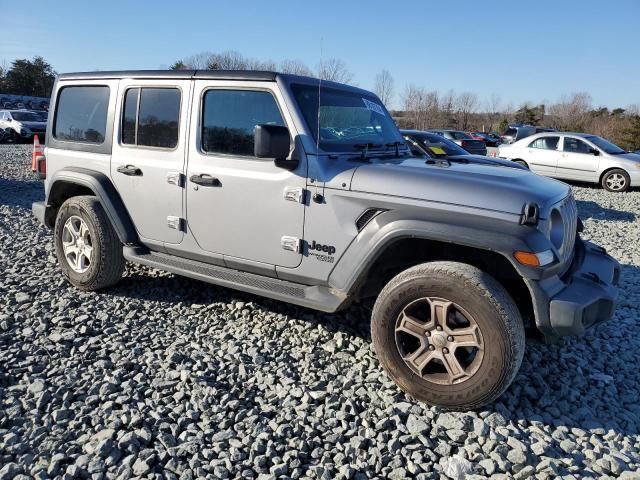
<point x="305" y="191"/>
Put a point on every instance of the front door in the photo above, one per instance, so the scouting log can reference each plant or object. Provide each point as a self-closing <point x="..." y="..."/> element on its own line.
<point x="578" y="161"/>
<point x="239" y="205"/>
<point x="147" y="163"/>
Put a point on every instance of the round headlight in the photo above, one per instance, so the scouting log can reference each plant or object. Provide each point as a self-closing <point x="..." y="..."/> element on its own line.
<point x="556" y="229"/>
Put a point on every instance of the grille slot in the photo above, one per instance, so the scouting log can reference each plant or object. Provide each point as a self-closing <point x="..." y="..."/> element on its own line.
<point x="569" y="211"/>
<point x="366" y="216"/>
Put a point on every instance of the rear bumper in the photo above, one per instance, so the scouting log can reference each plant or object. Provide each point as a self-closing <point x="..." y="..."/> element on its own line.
<point x="583" y="297"/>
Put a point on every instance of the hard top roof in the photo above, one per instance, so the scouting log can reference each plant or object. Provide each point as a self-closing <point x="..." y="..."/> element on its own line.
<point x="239" y="75"/>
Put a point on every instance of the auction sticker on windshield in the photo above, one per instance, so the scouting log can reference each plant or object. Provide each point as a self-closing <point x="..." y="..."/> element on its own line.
<point x="438" y="150"/>
<point x="374" y="107"/>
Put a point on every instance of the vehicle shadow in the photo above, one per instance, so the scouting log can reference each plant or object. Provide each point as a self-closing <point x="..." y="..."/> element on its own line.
<point x="590" y="209"/>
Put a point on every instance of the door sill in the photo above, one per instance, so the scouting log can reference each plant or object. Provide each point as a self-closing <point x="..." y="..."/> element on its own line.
<point x="317" y="297"/>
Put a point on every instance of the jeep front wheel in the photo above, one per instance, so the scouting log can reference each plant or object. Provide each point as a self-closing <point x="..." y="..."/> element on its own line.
<point x="448" y="334"/>
<point x="88" y="249"/>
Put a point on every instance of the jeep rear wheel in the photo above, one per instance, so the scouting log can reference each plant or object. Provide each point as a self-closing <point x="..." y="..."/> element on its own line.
<point x="88" y="249"/>
<point x="448" y="334"/>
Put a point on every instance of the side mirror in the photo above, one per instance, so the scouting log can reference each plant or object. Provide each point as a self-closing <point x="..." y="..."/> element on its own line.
<point x="273" y="141"/>
<point x="595" y="152"/>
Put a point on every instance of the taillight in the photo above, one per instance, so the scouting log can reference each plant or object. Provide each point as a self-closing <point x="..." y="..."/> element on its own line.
<point x="38" y="160"/>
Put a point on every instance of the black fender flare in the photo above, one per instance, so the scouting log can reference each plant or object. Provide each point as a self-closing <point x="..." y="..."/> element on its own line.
<point x="379" y="235"/>
<point x="103" y="189"/>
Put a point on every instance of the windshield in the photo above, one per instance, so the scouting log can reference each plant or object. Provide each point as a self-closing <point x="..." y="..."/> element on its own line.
<point x="510" y="132"/>
<point x="436" y="145"/>
<point x="25" y="117"/>
<point x="348" y="120"/>
<point x="608" y="147"/>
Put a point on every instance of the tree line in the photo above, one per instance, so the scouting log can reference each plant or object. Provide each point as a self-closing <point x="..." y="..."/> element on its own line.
<point x="419" y="107"/>
<point x="422" y="108"/>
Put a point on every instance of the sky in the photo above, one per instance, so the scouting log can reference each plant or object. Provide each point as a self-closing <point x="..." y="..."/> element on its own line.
<point x="533" y="51"/>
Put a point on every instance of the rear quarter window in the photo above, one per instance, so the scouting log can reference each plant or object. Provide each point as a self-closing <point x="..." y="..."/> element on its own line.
<point x="81" y="114"/>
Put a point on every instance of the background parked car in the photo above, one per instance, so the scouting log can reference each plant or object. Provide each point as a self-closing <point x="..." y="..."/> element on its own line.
<point x="476" y="147"/>
<point x="23" y="123"/>
<point x="490" y="139"/>
<point x="431" y="145"/>
<point x="577" y="156"/>
<point x="517" y="132"/>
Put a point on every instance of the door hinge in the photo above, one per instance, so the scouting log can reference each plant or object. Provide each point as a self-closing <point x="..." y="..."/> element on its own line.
<point x="294" y="194"/>
<point x="292" y="244"/>
<point x="176" y="223"/>
<point x="175" y="178"/>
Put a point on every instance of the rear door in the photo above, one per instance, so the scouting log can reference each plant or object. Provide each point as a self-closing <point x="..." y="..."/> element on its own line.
<point x="577" y="161"/>
<point x="542" y="155"/>
<point x="239" y="205"/>
<point x="148" y="157"/>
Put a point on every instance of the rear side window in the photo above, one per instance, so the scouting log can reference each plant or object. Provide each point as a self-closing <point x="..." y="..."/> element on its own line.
<point x="230" y="117"/>
<point x="81" y="115"/>
<point x="545" y="143"/>
<point x="151" y="117"/>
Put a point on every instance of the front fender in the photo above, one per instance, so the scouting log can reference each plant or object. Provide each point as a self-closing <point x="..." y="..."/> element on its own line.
<point x="102" y="188"/>
<point x="503" y="237"/>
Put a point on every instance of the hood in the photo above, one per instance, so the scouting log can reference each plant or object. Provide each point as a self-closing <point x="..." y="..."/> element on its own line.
<point x="497" y="186"/>
<point x="483" y="160"/>
<point x="634" y="157"/>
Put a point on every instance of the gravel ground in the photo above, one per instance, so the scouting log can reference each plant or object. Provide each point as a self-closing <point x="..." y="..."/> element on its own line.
<point x="164" y="377"/>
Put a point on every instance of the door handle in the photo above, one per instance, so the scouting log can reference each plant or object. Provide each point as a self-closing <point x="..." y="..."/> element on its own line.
<point x="205" y="180"/>
<point x="130" y="170"/>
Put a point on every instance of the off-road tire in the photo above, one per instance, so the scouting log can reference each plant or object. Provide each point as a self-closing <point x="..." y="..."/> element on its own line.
<point x="494" y="312"/>
<point x="611" y="173"/>
<point x="107" y="264"/>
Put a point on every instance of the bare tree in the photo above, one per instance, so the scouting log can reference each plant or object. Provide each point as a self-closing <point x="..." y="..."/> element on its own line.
<point x="466" y="105"/>
<point x="335" y="70"/>
<point x="295" y="67"/>
<point x="571" y="113"/>
<point x="384" y="87"/>
<point x="199" y="61"/>
<point x="421" y="107"/>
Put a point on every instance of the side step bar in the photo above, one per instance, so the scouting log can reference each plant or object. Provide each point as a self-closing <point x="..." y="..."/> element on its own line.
<point x="319" y="298"/>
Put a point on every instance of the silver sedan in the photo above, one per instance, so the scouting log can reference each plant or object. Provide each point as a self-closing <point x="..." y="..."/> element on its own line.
<point x="577" y="156"/>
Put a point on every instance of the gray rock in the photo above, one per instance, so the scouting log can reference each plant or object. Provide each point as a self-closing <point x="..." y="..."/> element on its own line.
<point x="416" y="425"/>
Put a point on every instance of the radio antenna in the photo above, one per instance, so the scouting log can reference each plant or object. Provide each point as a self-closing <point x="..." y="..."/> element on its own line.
<point x="319" y="103"/>
<point x="317" y="197"/>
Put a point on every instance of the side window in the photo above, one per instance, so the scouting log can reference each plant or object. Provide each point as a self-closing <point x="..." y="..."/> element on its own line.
<point x="545" y="143"/>
<point x="573" y="145"/>
<point x="81" y="114"/>
<point x="151" y="117"/>
<point x="229" y="118"/>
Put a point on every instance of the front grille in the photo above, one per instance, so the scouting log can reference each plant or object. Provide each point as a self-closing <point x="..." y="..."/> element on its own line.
<point x="569" y="212"/>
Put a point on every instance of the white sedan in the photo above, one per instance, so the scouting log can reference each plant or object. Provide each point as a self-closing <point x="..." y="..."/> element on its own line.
<point x="576" y="156"/>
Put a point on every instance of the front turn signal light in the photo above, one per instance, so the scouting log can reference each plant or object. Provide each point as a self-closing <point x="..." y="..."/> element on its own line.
<point x="531" y="259"/>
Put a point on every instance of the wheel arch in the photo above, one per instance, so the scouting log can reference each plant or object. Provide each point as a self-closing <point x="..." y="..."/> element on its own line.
<point x="72" y="182"/>
<point x="373" y="263"/>
<point x="607" y="170"/>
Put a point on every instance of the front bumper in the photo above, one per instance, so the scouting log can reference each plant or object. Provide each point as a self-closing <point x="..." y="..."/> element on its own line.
<point x="581" y="298"/>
